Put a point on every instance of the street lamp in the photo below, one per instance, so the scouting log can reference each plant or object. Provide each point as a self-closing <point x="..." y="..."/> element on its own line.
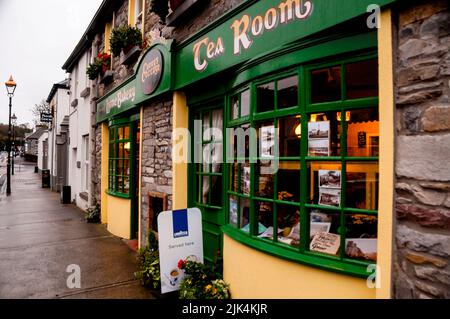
<point x="10" y="88"/>
<point x="14" y="122"/>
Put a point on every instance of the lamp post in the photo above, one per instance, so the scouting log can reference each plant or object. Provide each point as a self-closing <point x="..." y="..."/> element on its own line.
<point x="10" y="88"/>
<point x="14" y="122"/>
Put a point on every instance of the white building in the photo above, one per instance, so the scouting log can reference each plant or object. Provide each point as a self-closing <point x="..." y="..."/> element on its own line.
<point x="43" y="151"/>
<point x="82" y="119"/>
<point x="58" y="101"/>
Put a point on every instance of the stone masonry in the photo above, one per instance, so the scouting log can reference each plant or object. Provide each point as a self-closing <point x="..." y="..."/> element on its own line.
<point x="422" y="72"/>
<point x="156" y="163"/>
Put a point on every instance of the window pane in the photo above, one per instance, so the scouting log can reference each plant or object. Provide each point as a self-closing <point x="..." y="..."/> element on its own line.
<point x="206" y="126"/>
<point x="235" y="107"/>
<point x="363" y="131"/>
<point x="234" y="213"/>
<point x="217" y="122"/>
<point x="326" y="85"/>
<point x="290" y="130"/>
<point x="324" y="232"/>
<point x="265" y="97"/>
<point x="362" y="186"/>
<point x="205" y="190"/>
<point x="234" y="177"/>
<point x="245" y="103"/>
<point x="216" y="191"/>
<point x="265" y="180"/>
<point x="325" y="182"/>
<point x="120" y="135"/>
<point x="324" y="134"/>
<point x="288" y="220"/>
<point x="126" y="167"/>
<point x="244" y="213"/>
<point x="361" y="237"/>
<point x="264" y="216"/>
<point x="362" y="79"/>
<point x="267" y="139"/>
<point x="245" y="179"/>
<point x="126" y="133"/>
<point x="289" y="181"/>
<point x="240" y="139"/>
<point x="126" y="185"/>
<point x="288" y="92"/>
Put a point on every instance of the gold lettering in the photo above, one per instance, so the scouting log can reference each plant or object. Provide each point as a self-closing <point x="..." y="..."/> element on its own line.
<point x="241" y="36"/>
<point x="270" y="20"/>
<point x="199" y="65"/>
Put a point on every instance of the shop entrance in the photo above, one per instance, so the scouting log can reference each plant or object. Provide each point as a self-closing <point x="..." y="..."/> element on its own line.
<point x="207" y="177"/>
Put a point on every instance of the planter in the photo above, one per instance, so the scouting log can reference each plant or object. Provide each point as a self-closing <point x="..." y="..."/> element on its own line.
<point x="130" y="55"/>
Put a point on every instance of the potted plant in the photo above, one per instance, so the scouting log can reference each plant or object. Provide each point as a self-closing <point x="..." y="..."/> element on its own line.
<point x="100" y="66"/>
<point x="93" y="214"/>
<point x="149" y="269"/>
<point x="202" y="282"/>
<point x="126" y="42"/>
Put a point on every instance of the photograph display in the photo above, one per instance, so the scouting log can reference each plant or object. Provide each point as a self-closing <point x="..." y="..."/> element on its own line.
<point x="319" y="138"/>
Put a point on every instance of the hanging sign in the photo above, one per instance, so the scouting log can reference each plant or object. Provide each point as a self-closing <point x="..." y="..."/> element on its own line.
<point x="46" y="117"/>
<point x="152" y="70"/>
<point x="180" y="238"/>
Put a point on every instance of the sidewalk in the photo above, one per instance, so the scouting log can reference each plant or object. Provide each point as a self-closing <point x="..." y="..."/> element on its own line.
<point x="40" y="238"/>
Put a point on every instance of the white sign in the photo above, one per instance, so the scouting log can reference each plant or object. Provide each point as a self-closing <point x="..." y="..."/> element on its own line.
<point x="180" y="238"/>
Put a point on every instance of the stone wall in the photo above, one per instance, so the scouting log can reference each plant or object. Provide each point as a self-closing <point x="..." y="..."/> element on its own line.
<point x="200" y="18"/>
<point x="97" y="167"/>
<point x="421" y="262"/>
<point x="156" y="163"/>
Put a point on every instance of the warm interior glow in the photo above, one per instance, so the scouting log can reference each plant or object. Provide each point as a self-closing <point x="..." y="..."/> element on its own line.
<point x="348" y="116"/>
<point x="298" y="130"/>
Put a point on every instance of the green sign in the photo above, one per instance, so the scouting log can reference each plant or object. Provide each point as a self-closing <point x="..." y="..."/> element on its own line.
<point x="260" y="27"/>
<point x="151" y="78"/>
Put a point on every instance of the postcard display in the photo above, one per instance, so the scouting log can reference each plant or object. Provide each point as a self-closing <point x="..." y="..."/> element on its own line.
<point x="330" y="188"/>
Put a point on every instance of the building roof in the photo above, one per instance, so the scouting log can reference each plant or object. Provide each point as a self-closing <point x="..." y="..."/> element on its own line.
<point x="61" y="85"/>
<point x="37" y="134"/>
<point x="103" y="15"/>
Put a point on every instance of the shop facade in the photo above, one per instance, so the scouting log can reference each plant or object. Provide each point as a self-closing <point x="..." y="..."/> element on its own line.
<point x="282" y="121"/>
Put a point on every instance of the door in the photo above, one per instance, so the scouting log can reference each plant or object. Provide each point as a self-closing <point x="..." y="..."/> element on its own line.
<point x="134" y="191"/>
<point x="206" y="177"/>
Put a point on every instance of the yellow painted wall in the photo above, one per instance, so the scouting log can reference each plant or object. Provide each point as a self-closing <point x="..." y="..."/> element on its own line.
<point x="119" y="221"/>
<point x="386" y="206"/>
<point x="131" y="12"/>
<point x="180" y="170"/>
<point x="255" y="275"/>
<point x="104" y="170"/>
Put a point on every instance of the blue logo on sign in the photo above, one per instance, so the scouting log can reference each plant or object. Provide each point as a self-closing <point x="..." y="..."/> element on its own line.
<point x="180" y="223"/>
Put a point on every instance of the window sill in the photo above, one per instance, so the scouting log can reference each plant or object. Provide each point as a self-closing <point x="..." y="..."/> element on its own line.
<point x="118" y="195"/>
<point x="287" y="253"/>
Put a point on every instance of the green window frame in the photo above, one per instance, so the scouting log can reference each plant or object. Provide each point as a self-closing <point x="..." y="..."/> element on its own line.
<point x="304" y="110"/>
<point x="120" y="159"/>
<point x="208" y="173"/>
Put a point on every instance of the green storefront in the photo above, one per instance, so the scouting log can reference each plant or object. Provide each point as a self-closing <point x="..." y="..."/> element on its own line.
<point x="300" y="81"/>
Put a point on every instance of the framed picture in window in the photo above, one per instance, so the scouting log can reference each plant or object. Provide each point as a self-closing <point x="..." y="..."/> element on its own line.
<point x="319" y="138"/>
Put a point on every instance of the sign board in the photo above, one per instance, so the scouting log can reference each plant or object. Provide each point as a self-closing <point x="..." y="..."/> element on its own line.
<point x="326" y="243"/>
<point x="180" y="238"/>
<point x="152" y="70"/>
<point x="259" y="27"/>
<point x="362" y="139"/>
<point x="46" y="117"/>
<point x="152" y="77"/>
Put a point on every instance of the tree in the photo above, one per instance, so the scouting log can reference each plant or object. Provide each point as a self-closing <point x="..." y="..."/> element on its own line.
<point x="42" y="107"/>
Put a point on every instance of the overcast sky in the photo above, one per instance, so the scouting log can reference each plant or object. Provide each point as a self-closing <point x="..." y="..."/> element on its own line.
<point x="36" y="38"/>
